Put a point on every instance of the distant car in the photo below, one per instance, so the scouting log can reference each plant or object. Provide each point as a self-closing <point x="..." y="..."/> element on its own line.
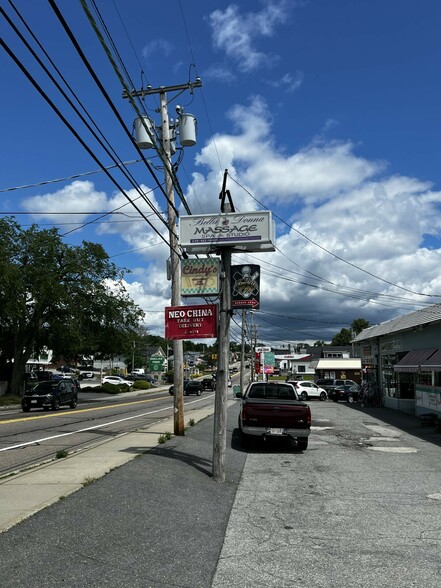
<point x="307" y="390"/>
<point x="87" y="375"/>
<point x="116" y="380"/>
<point x="347" y="393"/>
<point x="144" y="377"/>
<point x="190" y="387"/>
<point x="50" y="394"/>
<point x="208" y="383"/>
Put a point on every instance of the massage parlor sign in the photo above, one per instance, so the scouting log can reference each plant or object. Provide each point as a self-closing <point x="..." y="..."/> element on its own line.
<point x="191" y="322"/>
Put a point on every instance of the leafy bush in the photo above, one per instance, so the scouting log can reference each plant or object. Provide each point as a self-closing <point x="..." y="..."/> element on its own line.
<point x="115" y="388"/>
<point x="141" y="385"/>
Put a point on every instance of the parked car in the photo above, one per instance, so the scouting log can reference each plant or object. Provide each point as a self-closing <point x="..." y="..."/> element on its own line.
<point x="87" y="375"/>
<point x="116" y="380"/>
<point x="307" y="390"/>
<point x="347" y="393"/>
<point x="272" y="409"/>
<point x="50" y="394"/>
<point x="190" y="387"/>
<point x="329" y="383"/>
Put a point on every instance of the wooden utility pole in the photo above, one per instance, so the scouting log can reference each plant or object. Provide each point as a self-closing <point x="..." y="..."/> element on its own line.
<point x="178" y="349"/>
<point x="220" y="401"/>
<point x="223" y="356"/>
<point x="165" y="152"/>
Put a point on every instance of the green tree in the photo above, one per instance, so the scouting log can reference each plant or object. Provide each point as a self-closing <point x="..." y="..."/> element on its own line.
<point x="69" y="298"/>
<point x="359" y="325"/>
<point x="343" y="338"/>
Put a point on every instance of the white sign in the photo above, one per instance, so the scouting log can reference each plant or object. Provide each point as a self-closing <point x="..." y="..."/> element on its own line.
<point x="244" y="231"/>
<point x="263" y="349"/>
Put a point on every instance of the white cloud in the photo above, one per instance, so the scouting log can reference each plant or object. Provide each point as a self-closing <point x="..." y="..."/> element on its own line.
<point x="219" y="73"/>
<point x="288" y="83"/>
<point x="161" y="46"/>
<point x="236" y="33"/>
<point x="343" y="202"/>
<point x="76" y="200"/>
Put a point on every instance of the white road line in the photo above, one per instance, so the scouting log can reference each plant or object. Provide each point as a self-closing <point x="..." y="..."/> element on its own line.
<point x="137" y="416"/>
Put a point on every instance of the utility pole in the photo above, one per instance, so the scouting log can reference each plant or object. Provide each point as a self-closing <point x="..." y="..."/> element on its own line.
<point x="166" y="152"/>
<point x="223" y="355"/>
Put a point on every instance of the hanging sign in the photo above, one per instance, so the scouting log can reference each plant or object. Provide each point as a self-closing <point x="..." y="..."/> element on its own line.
<point x="191" y="322"/>
<point x="245" y="286"/>
<point x="200" y="277"/>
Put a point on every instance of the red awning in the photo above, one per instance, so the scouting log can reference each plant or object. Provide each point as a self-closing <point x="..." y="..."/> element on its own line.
<point x="433" y="364"/>
<point x="413" y="360"/>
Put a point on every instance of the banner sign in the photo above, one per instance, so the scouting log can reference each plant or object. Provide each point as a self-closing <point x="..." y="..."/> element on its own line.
<point x="204" y="233"/>
<point x="191" y="322"/>
<point x="245" y="286"/>
<point x="200" y="277"/>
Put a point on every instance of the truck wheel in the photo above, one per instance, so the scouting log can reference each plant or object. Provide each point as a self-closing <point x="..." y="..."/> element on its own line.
<point x="302" y="443"/>
<point x="350" y="399"/>
<point x="198" y="392"/>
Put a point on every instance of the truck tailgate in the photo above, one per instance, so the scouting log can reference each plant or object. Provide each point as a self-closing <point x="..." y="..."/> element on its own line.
<point x="292" y="414"/>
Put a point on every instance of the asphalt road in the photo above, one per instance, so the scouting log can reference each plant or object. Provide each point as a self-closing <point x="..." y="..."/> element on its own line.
<point x="360" y="508"/>
<point x="37" y="436"/>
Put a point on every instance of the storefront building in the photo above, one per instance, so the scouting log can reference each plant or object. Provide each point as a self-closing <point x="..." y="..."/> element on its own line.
<point x="403" y="358"/>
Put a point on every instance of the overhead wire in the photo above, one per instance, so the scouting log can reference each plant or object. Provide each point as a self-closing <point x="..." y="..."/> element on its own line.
<point x="110" y="151"/>
<point x="72" y="130"/>
<point x="166" y="162"/>
<point x="104" y="91"/>
<point x="330" y="252"/>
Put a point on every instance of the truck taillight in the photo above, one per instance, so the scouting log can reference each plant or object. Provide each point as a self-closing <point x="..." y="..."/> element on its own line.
<point x="308" y="418"/>
<point x="244" y="412"/>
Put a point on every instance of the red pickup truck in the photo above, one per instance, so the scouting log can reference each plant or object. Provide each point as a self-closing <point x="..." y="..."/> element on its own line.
<point x="273" y="409"/>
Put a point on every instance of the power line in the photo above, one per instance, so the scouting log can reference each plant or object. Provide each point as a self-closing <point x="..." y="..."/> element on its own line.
<point x="334" y="254"/>
<point x="72" y="130"/>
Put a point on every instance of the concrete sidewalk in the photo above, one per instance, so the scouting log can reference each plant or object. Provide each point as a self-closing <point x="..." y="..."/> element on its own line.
<point x="24" y="494"/>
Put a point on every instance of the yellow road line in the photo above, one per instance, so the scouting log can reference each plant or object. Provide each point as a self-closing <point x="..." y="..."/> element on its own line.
<point x="73" y="411"/>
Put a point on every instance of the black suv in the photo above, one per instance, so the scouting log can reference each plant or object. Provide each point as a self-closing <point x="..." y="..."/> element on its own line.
<point x="190" y="387"/>
<point x="50" y="394"/>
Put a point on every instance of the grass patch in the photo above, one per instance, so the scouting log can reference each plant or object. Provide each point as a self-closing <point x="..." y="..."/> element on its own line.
<point x="191" y="423"/>
<point x="88" y="481"/>
<point x="9" y="399"/>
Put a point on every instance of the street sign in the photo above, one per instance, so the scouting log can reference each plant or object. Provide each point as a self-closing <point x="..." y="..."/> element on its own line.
<point x="156" y="363"/>
<point x="263" y="349"/>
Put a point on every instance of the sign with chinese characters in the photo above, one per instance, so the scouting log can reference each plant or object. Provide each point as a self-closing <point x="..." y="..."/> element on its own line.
<point x="200" y="277"/>
<point x="191" y="322"/>
<point x="247" y="231"/>
<point x="245" y="286"/>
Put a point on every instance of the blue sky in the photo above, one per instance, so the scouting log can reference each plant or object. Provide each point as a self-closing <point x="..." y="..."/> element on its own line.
<point x="326" y="113"/>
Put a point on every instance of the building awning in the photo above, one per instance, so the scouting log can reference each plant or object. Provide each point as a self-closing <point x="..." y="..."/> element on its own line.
<point x="338" y="363"/>
<point x="433" y="364"/>
<point x="413" y="360"/>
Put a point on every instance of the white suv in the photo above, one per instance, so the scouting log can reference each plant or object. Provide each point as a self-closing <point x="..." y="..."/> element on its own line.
<point x="307" y="390"/>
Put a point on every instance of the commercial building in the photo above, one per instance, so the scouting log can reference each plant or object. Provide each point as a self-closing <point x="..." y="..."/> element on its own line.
<point x="403" y="358"/>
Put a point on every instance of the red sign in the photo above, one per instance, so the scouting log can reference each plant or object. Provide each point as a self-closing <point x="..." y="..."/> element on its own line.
<point x="191" y="322"/>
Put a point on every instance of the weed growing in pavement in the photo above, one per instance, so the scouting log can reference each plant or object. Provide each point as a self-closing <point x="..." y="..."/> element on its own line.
<point x="165" y="437"/>
<point x="191" y="423"/>
<point x="62" y="497"/>
<point x="61" y="453"/>
<point x="88" y="481"/>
